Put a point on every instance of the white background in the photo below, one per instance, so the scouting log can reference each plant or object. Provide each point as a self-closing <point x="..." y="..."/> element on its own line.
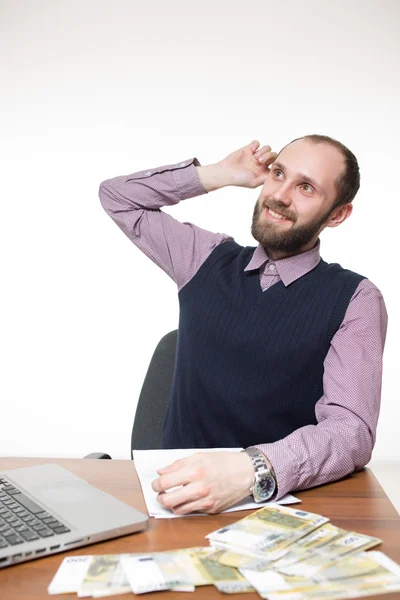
<point x="95" y="89"/>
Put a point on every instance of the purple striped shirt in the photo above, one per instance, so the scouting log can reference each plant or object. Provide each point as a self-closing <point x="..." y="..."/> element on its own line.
<point x="347" y="413"/>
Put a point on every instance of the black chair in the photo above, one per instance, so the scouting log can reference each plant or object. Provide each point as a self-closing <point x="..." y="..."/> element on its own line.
<point x="153" y="399"/>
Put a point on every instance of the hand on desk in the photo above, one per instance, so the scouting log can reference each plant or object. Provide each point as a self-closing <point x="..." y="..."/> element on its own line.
<point x="211" y="482"/>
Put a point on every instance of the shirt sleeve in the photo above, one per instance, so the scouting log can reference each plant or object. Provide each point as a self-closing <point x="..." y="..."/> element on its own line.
<point x="347" y="414"/>
<point x="134" y="202"/>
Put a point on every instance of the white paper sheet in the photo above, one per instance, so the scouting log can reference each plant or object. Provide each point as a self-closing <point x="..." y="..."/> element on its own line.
<point x="148" y="461"/>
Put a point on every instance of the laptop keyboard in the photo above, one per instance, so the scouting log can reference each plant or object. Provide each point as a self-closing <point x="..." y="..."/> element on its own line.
<point x="22" y="520"/>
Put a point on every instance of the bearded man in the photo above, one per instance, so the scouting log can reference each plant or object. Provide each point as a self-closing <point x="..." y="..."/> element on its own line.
<point x="279" y="352"/>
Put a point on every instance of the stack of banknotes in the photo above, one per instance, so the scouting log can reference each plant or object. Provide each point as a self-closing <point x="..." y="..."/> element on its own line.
<point x="279" y="552"/>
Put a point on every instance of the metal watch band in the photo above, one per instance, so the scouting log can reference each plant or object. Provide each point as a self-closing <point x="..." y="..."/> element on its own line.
<point x="261" y="471"/>
<point x="258" y="460"/>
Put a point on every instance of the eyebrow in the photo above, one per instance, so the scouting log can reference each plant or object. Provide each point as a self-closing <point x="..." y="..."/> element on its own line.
<point x="298" y="175"/>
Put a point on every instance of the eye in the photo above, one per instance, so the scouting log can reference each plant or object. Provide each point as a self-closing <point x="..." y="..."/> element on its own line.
<point x="277" y="173"/>
<point x="307" y="188"/>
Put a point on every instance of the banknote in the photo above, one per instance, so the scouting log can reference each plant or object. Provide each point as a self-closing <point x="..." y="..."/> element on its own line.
<point x="363" y="564"/>
<point x="190" y="559"/>
<point x="233" y="559"/>
<point x="359" y="572"/>
<point x="173" y="571"/>
<point x="267" y="532"/>
<point x="177" y="570"/>
<point x="181" y="570"/>
<point x="297" y="551"/>
<point x="143" y="574"/>
<point x="306" y="546"/>
<point x="226" y="579"/>
<point x="335" y="592"/>
<point x="69" y="575"/>
<point x="329" y="592"/>
<point x="340" y="546"/>
<point x="104" y="577"/>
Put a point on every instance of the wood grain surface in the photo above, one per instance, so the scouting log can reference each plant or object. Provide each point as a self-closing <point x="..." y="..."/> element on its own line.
<point x="356" y="503"/>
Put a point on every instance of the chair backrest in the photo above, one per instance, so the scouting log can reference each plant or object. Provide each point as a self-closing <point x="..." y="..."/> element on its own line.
<point x="154" y="396"/>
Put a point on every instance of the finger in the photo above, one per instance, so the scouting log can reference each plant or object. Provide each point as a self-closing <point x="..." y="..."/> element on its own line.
<point x="175" y="466"/>
<point x="267" y="158"/>
<point x="170" y="480"/>
<point x="204" y="505"/>
<point x="254" y="145"/>
<point x="263" y="150"/>
<point x="193" y="492"/>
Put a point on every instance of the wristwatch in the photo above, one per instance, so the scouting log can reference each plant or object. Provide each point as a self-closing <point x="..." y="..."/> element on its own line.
<point x="264" y="485"/>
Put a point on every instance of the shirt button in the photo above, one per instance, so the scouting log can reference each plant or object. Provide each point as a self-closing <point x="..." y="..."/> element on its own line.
<point x="272" y="267"/>
<point x="148" y="173"/>
<point x="182" y="165"/>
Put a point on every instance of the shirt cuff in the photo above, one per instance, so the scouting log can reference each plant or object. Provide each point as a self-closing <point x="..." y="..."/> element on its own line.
<point x="284" y="464"/>
<point x="187" y="180"/>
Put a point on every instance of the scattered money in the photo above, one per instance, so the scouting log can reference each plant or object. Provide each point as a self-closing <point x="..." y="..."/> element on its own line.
<point x="340" y="546"/>
<point x="143" y="574"/>
<point x="352" y="576"/>
<point x="104" y="577"/>
<point x="191" y="559"/>
<point x="279" y="552"/>
<point x="267" y="532"/>
<point x="69" y="575"/>
<point x="305" y="547"/>
<point x="226" y="579"/>
<point x="297" y="551"/>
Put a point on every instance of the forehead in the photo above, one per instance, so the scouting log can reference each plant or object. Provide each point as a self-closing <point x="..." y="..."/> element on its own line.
<point x="321" y="162"/>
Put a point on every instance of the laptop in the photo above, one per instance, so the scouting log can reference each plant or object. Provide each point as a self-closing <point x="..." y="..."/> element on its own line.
<point x="45" y="509"/>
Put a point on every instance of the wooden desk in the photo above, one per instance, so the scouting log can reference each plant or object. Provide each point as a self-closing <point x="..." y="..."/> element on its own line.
<point x="357" y="503"/>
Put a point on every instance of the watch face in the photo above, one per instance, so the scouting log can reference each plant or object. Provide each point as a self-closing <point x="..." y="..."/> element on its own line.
<point x="264" y="488"/>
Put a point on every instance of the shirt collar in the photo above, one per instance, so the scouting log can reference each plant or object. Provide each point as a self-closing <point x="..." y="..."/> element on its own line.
<point x="289" y="269"/>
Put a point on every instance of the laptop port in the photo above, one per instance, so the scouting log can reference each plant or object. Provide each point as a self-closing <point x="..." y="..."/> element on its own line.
<point x="3" y="559"/>
<point x="17" y="556"/>
<point x="74" y="542"/>
<point x="40" y="550"/>
<point x="54" y="547"/>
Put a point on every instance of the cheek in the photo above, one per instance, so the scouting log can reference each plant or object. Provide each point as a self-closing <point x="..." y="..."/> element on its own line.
<point x="307" y="210"/>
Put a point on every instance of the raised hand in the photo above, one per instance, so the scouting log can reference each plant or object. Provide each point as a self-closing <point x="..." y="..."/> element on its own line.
<point x="249" y="166"/>
<point x="246" y="167"/>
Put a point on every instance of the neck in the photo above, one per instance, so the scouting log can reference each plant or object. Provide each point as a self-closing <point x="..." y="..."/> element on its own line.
<point x="279" y="255"/>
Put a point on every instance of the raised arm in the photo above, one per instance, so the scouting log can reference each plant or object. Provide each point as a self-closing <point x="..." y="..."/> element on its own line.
<point x="134" y="202"/>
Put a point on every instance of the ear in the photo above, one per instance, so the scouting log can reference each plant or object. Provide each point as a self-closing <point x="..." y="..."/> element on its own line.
<point x="339" y="214"/>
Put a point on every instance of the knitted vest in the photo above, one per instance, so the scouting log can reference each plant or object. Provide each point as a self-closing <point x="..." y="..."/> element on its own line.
<point x="249" y="364"/>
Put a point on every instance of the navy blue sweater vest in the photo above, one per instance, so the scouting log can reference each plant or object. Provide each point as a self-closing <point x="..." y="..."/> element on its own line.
<point x="249" y="364"/>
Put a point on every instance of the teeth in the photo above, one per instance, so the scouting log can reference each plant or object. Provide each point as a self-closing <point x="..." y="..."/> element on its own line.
<point x="274" y="214"/>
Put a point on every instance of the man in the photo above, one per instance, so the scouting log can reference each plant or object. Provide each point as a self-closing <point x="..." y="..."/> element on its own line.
<point x="278" y="352"/>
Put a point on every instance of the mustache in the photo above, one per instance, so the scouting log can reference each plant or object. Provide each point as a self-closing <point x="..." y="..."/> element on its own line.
<point x="280" y="208"/>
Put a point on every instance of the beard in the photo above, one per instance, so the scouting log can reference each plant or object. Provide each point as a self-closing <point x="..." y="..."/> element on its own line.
<point x="290" y="241"/>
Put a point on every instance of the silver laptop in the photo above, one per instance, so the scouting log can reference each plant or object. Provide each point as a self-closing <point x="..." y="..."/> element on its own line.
<point x="46" y="509"/>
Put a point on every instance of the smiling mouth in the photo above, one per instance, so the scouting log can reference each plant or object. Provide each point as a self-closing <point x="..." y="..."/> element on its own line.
<point x="276" y="215"/>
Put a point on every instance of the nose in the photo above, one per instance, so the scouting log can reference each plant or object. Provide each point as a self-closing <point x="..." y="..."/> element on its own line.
<point x="282" y="194"/>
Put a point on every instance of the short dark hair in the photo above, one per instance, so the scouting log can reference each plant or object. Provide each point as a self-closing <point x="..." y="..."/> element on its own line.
<point x="348" y="183"/>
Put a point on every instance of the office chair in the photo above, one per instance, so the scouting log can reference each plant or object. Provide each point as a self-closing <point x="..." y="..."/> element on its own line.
<point x="153" y="398"/>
